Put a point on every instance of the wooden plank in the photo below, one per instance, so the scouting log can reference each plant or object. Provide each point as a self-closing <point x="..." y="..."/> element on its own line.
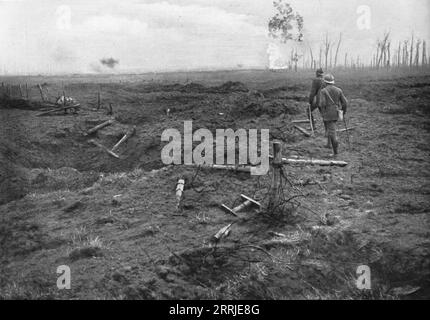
<point x="127" y="136"/>
<point x="305" y="132"/>
<point x="313" y="162"/>
<point x="300" y="121"/>
<point x="98" y="144"/>
<point x="224" y="167"/>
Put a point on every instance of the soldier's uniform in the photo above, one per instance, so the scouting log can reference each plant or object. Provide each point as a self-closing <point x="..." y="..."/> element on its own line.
<point x="317" y="84"/>
<point x="331" y="98"/>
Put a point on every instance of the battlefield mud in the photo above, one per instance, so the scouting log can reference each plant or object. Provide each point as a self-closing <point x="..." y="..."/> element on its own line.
<point x="64" y="201"/>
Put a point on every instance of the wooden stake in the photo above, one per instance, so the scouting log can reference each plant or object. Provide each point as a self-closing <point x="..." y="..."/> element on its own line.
<point x="98" y="100"/>
<point x="276" y="175"/>
<point x="98" y="127"/>
<point x="41" y="92"/>
<point x="311" y="117"/>
<point x="20" y="92"/>
<point x="127" y="136"/>
<point x="26" y="90"/>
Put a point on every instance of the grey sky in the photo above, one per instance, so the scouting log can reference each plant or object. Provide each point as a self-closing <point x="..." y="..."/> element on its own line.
<point x="59" y="36"/>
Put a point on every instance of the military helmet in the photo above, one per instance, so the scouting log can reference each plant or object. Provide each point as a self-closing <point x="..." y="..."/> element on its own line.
<point x="329" y="79"/>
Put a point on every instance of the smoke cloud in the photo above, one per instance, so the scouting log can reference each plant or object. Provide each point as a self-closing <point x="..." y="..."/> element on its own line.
<point x="109" y="62"/>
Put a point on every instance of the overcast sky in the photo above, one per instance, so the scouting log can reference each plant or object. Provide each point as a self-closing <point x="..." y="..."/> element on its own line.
<point x="72" y="36"/>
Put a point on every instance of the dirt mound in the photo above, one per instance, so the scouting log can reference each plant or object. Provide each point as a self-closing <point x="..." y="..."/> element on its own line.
<point x="230" y="86"/>
<point x="246" y="107"/>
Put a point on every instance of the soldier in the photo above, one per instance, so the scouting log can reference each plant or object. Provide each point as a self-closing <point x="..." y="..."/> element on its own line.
<point x="314" y="94"/>
<point x="331" y="98"/>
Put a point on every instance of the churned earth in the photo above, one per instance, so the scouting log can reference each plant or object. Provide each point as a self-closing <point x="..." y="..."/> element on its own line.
<point x="114" y="222"/>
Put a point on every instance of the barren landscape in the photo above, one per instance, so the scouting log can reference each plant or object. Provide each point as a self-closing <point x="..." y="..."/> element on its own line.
<point x="114" y="222"/>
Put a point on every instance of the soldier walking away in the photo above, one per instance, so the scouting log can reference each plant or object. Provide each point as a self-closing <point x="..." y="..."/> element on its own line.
<point x="317" y="84"/>
<point x="331" y="98"/>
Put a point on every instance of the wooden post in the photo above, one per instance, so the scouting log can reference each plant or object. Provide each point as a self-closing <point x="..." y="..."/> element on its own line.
<point x="276" y="176"/>
<point x="41" y="92"/>
<point x="98" y="100"/>
<point x="311" y="118"/>
<point x="20" y="92"/>
<point x="26" y="90"/>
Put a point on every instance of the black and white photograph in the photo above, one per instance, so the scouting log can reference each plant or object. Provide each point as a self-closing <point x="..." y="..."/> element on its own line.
<point x="229" y="152"/>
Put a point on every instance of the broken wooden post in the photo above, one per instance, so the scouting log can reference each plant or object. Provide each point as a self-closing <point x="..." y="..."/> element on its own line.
<point x="110" y="110"/>
<point x="223" y="232"/>
<point x="41" y="92"/>
<point x="26" y="90"/>
<point x="98" y="127"/>
<point x="179" y="191"/>
<point x="247" y="203"/>
<point x="127" y="136"/>
<point x="305" y="132"/>
<point x="275" y="187"/>
<point x="104" y="148"/>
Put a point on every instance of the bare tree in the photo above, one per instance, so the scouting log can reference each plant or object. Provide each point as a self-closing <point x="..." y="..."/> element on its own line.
<point x="417" y="53"/>
<point x="327" y="45"/>
<point x="337" y="49"/>
<point x="411" y="52"/>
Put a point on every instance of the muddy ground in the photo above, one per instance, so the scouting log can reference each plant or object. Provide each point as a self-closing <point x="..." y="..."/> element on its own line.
<point x="114" y="221"/>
